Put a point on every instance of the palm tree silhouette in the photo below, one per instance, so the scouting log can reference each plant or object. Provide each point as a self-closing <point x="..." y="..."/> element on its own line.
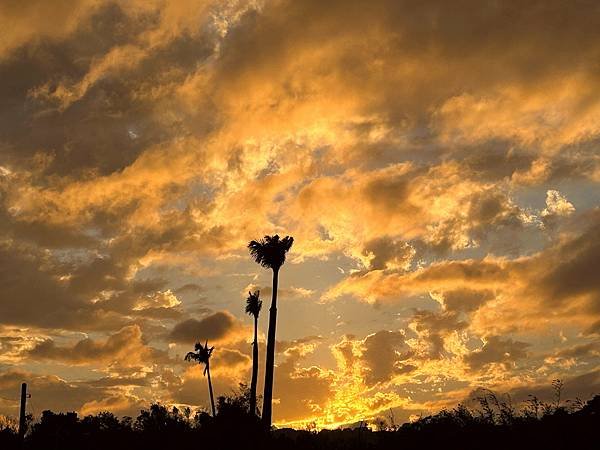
<point x="270" y="252"/>
<point x="253" y="306"/>
<point x="202" y="354"/>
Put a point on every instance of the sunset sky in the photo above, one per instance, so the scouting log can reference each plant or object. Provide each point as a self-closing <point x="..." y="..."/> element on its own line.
<point x="437" y="163"/>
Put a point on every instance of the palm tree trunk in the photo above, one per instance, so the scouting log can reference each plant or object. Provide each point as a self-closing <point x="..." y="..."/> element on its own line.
<point x="254" y="368"/>
<point x="210" y="391"/>
<point x="270" y="365"/>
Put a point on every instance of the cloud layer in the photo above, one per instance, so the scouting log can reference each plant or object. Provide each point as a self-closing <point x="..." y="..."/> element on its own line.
<point x="436" y="163"/>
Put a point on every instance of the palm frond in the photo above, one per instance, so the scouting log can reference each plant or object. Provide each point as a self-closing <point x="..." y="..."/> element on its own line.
<point x="257" y="251"/>
<point x="191" y="356"/>
<point x="286" y="243"/>
<point x="270" y="251"/>
<point x="201" y="354"/>
<point x="253" y="303"/>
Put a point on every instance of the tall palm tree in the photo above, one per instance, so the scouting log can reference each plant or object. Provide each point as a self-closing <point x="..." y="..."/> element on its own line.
<point x="202" y="355"/>
<point x="270" y="253"/>
<point x="253" y="306"/>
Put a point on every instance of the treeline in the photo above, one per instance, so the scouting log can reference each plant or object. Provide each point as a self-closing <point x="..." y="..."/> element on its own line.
<point x="494" y="424"/>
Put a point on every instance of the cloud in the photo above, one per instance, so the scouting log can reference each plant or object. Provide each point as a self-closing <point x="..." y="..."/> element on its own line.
<point x="374" y="285"/>
<point x="557" y="204"/>
<point x="584" y="385"/>
<point x="386" y="253"/>
<point x="48" y="391"/>
<point x="38" y="20"/>
<point x="594" y="328"/>
<point x="497" y="350"/>
<point x="409" y="143"/>
<point x="580" y="351"/>
<point x="122" y="405"/>
<point x="34" y="294"/>
<point x="463" y="300"/>
<point x="434" y="328"/>
<point x="300" y="391"/>
<point x="559" y="277"/>
<point x="124" y="348"/>
<point x="217" y="326"/>
<point x="174" y="20"/>
<point x="88" y="293"/>
<point x="191" y="288"/>
<point x="383" y="354"/>
<point x="231" y="358"/>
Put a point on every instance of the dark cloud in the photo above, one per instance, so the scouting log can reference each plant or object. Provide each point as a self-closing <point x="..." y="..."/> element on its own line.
<point x="414" y="31"/>
<point x="225" y="357"/>
<point x="38" y="231"/>
<point x="189" y="288"/>
<point x="593" y="329"/>
<point x="591" y="349"/>
<point x="433" y="327"/>
<point x="116" y="381"/>
<point x="493" y="208"/>
<point x="125" y="347"/>
<point x="497" y="350"/>
<point x="33" y="294"/>
<point x="48" y="291"/>
<point x="110" y="126"/>
<point x="391" y="192"/>
<point x="388" y="252"/>
<point x="569" y="270"/>
<point x="582" y="386"/>
<point x="384" y="354"/>
<point x="283" y="346"/>
<point x="465" y="300"/>
<point x="48" y="391"/>
<point x="473" y="271"/>
<point x="216" y="326"/>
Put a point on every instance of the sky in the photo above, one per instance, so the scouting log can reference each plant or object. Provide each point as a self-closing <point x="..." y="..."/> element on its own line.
<point x="436" y="162"/>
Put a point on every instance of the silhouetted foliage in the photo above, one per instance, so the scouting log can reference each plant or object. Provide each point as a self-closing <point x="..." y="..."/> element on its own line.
<point x="201" y="355"/>
<point x="491" y="426"/>
<point x="270" y="251"/>
<point x="9" y="437"/>
<point x="253" y="307"/>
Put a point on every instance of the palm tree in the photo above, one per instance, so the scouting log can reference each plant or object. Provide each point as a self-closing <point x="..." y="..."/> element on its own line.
<point x="202" y="354"/>
<point x="270" y="253"/>
<point x="253" y="306"/>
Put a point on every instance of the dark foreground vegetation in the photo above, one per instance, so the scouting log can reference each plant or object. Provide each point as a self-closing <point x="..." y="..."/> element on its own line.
<point x="494" y="424"/>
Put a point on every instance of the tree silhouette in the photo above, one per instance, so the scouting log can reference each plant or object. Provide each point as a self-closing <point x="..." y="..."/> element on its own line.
<point x="253" y="306"/>
<point x="202" y="354"/>
<point x="270" y="253"/>
<point x="159" y="426"/>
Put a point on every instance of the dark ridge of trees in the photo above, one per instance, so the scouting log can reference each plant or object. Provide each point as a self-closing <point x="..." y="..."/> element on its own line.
<point x="495" y="424"/>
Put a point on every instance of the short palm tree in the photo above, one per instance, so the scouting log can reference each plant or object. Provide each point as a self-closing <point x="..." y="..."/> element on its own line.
<point x="202" y="354"/>
<point x="270" y="253"/>
<point x="253" y="306"/>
